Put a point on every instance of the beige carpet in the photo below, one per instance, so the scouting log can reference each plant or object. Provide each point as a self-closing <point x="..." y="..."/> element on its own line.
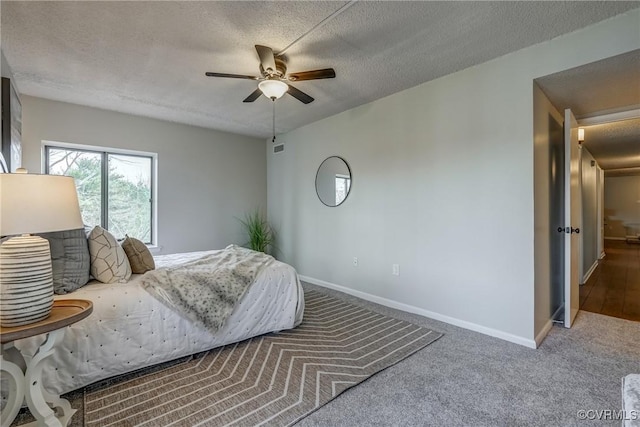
<point x="275" y="379"/>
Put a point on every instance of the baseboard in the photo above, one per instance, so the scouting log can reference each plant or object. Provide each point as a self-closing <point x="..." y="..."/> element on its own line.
<point x="543" y="333"/>
<point x="614" y="238"/>
<point x="589" y="272"/>
<point x="426" y="313"/>
<point x="547" y="326"/>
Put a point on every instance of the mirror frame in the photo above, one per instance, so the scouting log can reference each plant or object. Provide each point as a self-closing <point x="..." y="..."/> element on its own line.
<point x="350" y="177"/>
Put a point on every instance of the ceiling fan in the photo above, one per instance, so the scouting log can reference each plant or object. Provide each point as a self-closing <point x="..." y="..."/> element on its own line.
<point x="274" y="80"/>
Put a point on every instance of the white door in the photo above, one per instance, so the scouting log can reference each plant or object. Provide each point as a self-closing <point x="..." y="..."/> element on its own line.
<point x="573" y="216"/>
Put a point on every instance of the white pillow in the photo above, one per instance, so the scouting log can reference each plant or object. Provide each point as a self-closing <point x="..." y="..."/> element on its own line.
<point x="109" y="263"/>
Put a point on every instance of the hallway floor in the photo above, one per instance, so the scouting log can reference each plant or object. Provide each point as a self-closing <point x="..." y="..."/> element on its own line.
<point x="614" y="287"/>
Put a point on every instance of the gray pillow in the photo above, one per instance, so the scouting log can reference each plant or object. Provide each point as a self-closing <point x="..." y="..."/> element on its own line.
<point x="69" y="258"/>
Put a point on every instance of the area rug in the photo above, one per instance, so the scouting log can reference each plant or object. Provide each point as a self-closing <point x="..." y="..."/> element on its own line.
<point x="275" y="379"/>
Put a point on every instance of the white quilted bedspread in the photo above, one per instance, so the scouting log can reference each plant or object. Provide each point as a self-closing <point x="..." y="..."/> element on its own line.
<point x="631" y="400"/>
<point x="129" y="329"/>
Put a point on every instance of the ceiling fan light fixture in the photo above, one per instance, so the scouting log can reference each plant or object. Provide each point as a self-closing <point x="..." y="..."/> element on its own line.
<point x="273" y="89"/>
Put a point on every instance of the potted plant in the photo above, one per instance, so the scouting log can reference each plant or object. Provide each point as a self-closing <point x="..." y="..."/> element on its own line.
<point x="261" y="236"/>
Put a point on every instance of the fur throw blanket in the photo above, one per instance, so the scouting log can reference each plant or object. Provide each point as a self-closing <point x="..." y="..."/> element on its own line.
<point x="207" y="289"/>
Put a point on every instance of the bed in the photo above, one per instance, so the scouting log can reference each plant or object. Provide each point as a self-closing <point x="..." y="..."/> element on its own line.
<point x="129" y="329"/>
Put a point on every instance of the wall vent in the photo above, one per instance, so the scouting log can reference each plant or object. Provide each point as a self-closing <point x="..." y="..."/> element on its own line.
<point x="278" y="148"/>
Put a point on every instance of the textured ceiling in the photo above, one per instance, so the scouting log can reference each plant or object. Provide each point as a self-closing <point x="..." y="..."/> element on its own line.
<point x="600" y="89"/>
<point x="615" y="145"/>
<point x="149" y="58"/>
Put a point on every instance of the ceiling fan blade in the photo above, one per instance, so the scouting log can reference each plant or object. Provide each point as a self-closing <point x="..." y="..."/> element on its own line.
<point x="325" y="73"/>
<point x="267" y="59"/>
<point x="231" y="76"/>
<point x="254" y="95"/>
<point x="299" y="95"/>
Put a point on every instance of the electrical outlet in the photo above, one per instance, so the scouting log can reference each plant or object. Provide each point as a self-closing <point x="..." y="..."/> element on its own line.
<point x="355" y="261"/>
<point x="395" y="269"/>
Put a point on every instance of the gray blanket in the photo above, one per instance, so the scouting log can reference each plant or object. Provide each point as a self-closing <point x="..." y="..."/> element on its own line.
<point x="207" y="289"/>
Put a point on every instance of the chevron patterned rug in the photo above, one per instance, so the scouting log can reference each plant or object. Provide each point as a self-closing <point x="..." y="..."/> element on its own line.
<point x="274" y="379"/>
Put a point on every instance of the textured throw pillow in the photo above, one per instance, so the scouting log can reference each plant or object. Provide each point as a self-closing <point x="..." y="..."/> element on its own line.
<point x="109" y="263"/>
<point x="139" y="256"/>
<point x="69" y="259"/>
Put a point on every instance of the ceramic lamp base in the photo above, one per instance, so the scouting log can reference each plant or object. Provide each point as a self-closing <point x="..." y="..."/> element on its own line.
<point x="26" y="283"/>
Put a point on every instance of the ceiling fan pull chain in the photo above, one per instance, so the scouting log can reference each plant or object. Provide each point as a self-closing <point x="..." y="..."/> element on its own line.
<point x="274" y="120"/>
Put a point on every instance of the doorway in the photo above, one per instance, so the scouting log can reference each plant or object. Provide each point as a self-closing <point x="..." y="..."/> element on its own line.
<point x="613" y="288"/>
<point x="603" y="93"/>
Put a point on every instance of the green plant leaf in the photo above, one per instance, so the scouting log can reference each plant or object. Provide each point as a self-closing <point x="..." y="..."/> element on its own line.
<point x="261" y="237"/>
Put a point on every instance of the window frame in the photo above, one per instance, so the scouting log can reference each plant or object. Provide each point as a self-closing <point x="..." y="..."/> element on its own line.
<point x="104" y="153"/>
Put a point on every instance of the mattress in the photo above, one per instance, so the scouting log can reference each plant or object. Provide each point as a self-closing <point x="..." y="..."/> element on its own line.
<point x="129" y="329"/>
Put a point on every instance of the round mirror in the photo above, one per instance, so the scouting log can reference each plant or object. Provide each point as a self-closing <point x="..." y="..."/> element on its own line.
<point x="333" y="181"/>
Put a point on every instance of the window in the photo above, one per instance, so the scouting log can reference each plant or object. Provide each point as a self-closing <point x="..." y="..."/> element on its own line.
<point x="115" y="189"/>
<point x="343" y="183"/>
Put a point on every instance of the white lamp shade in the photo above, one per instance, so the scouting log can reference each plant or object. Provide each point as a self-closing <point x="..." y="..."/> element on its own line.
<point x="580" y="134"/>
<point x="32" y="203"/>
<point x="273" y="88"/>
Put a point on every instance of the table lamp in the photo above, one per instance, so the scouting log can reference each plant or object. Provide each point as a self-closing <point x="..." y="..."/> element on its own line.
<point x="31" y="203"/>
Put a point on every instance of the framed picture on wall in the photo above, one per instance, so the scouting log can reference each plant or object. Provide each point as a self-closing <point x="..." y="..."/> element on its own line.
<point x="11" y="126"/>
